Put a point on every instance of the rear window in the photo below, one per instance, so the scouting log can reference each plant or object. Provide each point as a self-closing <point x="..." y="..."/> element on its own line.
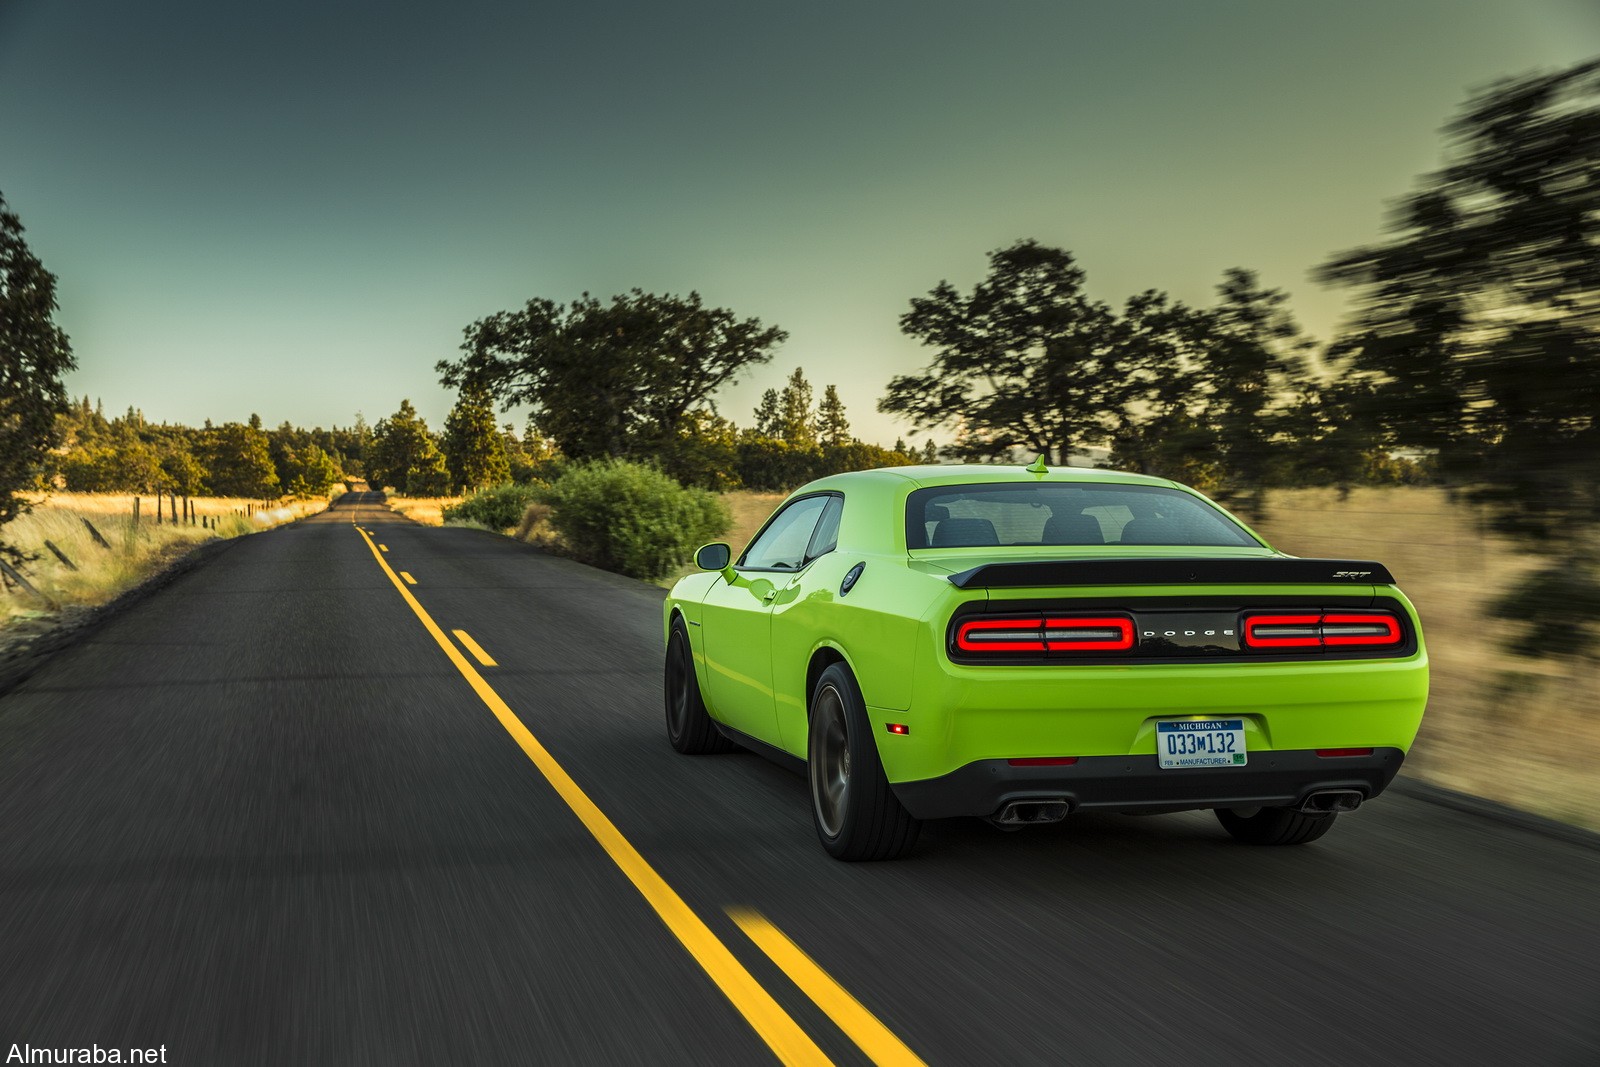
<point x="1054" y="513"/>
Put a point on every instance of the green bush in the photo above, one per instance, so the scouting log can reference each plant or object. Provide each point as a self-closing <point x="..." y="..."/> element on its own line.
<point x="498" y="507"/>
<point x="632" y="518"/>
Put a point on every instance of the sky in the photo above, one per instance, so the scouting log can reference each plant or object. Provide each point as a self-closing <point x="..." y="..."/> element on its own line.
<point x="293" y="209"/>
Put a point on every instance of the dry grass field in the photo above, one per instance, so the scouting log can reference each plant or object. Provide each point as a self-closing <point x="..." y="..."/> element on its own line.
<point x="1521" y="732"/>
<point x="135" y="552"/>
<point x="428" y="510"/>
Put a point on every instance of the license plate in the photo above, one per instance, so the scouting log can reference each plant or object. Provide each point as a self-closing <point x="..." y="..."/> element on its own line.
<point x="1182" y="743"/>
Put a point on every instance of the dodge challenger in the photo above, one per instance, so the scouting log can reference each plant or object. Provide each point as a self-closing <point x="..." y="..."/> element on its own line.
<point x="1021" y="643"/>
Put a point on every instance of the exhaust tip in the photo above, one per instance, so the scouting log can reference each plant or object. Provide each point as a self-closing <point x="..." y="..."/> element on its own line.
<point x="1031" y="812"/>
<point x="1329" y="801"/>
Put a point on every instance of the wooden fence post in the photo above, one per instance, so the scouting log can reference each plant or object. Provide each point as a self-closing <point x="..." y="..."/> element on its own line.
<point x="11" y="572"/>
<point x="136" y="511"/>
<point x="101" y="541"/>
<point x="62" y="556"/>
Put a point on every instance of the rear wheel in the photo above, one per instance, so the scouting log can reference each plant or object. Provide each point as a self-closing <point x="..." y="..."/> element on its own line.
<point x="856" y="814"/>
<point x="689" y="726"/>
<point x="1274" y="826"/>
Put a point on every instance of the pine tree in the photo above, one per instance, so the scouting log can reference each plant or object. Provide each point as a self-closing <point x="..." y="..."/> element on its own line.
<point x="405" y="456"/>
<point x="795" y="411"/>
<point x="474" y="449"/>
<point x="238" y="460"/>
<point x="831" y="426"/>
<point x="930" y="452"/>
<point x="768" y="417"/>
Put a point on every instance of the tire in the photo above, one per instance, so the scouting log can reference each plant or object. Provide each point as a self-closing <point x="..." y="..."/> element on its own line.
<point x="689" y="726"/>
<point x="856" y="814"/>
<point x="1275" y="826"/>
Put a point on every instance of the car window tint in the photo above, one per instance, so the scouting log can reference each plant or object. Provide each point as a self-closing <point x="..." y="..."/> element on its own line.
<point x="1112" y="518"/>
<point x="826" y="538"/>
<point x="783" y="543"/>
<point x="1054" y="513"/>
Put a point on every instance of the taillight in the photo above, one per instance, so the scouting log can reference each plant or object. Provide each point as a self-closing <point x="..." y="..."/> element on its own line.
<point x="1360" y="629"/>
<point x="1001" y="635"/>
<point x="1282" y="631"/>
<point x="1038" y="634"/>
<point x="1363" y="629"/>
<point x="1109" y="634"/>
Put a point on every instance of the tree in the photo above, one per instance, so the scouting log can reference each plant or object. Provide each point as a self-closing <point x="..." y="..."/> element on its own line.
<point x="794" y="412"/>
<point x="180" y="471"/>
<point x="315" y="473"/>
<point x="831" y="426"/>
<point x="1026" y="359"/>
<point x="611" y="379"/>
<point x="405" y="456"/>
<point x="474" y="449"/>
<point x="859" y="456"/>
<point x="238" y="461"/>
<point x="34" y="354"/>
<point x="352" y="445"/>
<point x="1478" y="330"/>
<point x="1253" y="359"/>
<point x="768" y="464"/>
<point x="768" y="415"/>
<point x="121" y="462"/>
<point x="706" y="453"/>
<point x="930" y="452"/>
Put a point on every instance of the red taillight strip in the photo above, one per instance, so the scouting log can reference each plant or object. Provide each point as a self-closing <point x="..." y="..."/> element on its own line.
<point x="1088" y="635"/>
<point x="1343" y="629"/>
<point x="1282" y="631"/>
<point x="1364" y="629"/>
<point x="1035" y="634"/>
<point x="1001" y="635"/>
<point x="1335" y="753"/>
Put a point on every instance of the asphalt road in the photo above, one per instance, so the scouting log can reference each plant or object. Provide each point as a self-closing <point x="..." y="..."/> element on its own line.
<point x="261" y="817"/>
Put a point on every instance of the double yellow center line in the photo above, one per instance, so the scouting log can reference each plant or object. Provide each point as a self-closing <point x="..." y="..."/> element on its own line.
<point x="783" y="1035"/>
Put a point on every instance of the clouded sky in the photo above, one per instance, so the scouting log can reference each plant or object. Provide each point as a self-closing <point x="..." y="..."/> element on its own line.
<point x="294" y="208"/>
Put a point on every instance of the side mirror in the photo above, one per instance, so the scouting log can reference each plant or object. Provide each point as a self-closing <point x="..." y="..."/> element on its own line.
<point x="713" y="557"/>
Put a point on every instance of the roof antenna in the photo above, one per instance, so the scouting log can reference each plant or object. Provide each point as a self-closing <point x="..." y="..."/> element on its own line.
<point x="1037" y="466"/>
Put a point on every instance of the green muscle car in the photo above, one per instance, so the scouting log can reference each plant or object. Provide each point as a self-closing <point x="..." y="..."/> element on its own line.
<point x="1017" y="643"/>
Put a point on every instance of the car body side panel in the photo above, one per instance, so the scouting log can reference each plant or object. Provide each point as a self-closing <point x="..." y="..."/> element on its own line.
<point x="685" y="600"/>
<point x="736" y="633"/>
<point x="875" y="627"/>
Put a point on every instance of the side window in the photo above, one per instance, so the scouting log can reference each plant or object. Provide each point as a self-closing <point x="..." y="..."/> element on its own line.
<point x="826" y="538"/>
<point x="782" y="545"/>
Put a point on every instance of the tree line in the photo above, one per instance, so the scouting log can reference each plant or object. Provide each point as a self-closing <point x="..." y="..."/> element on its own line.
<point x="635" y="378"/>
<point x="808" y="440"/>
<point x="129" y="454"/>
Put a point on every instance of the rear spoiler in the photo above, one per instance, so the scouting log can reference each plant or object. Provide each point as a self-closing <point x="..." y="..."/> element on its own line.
<point x="1272" y="570"/>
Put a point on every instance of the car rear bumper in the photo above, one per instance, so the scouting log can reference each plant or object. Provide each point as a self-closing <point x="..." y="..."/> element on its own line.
<point x="1138" y="784"/>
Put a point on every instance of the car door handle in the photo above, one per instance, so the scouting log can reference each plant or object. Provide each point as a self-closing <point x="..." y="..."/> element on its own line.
<point x="769" y="596"/>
